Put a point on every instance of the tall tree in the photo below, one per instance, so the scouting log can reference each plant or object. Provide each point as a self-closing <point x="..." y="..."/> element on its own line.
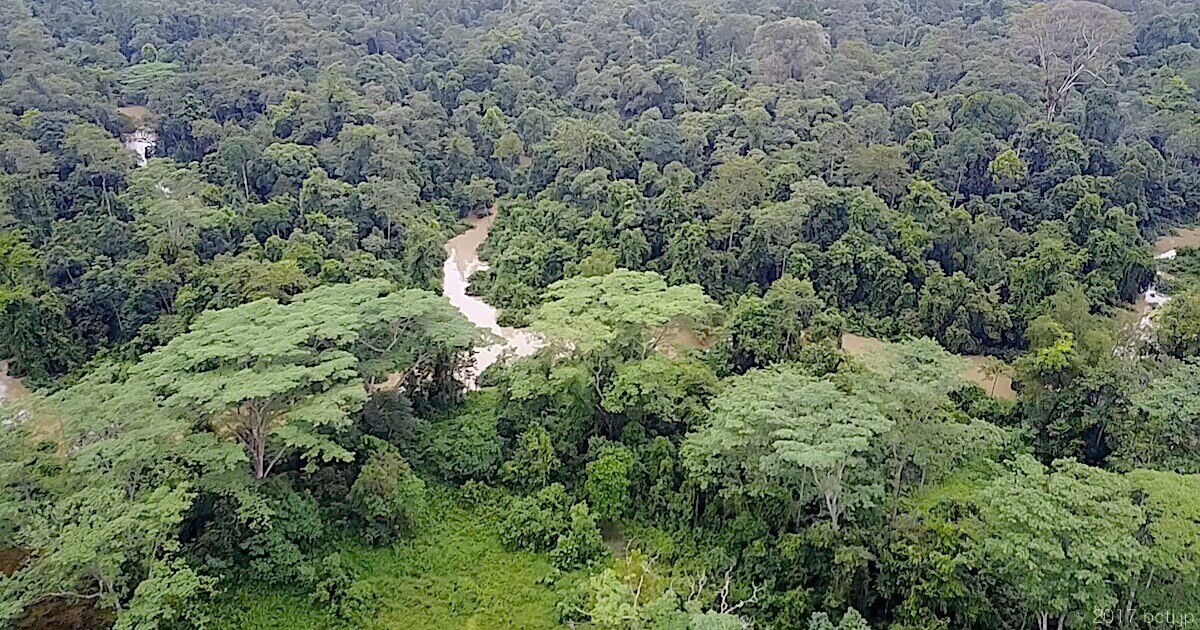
<point x="791" y="48"/>
<point x="781" y="433"/>
<point x="1070" y="42"/>
<point x="1064" y="538"/>
<point x="284" y="379"/>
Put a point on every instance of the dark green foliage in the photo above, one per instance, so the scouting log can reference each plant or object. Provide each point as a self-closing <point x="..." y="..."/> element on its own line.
<point x="247" y="384"/>
<point x="388" y="497"/>
<point x="465" y="445"/>
<point x="535" y="522"/>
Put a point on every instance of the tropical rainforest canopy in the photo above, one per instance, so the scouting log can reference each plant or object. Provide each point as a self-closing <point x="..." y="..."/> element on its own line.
<point x="251" y="405"/>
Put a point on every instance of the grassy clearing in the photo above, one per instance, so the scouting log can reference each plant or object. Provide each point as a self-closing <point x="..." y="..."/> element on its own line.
<point x="455" y="574"/>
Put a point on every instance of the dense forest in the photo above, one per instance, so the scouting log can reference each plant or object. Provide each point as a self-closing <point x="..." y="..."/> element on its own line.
<point x="825" y="314"/>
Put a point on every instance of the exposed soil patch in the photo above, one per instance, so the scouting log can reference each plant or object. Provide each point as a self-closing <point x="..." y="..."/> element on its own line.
<point x="1000" y="386"/>
<point x="11" y="559"/>
<point x="64" y="614"/>
<point x="137" y="113"/>
<point x="1184" y="238"/>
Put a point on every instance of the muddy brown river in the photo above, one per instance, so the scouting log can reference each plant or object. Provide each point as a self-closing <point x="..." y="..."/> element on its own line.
<point x="462" y="261"/>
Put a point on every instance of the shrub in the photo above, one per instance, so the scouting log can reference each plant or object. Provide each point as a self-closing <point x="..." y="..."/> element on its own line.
<point x="478" y="494"/>
<point x="581" y="544"/>
<point x="388" y="497"/>
<point x="533" y="461"/>
<point x="608" y="482"/>
<point x="463" y="447"/>
<point x="278" y="544"/>
<point x="339" y="589"/>
<point x="534" y="523"/>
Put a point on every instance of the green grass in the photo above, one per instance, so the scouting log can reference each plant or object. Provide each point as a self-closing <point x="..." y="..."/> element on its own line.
<point x="455" y="574"/>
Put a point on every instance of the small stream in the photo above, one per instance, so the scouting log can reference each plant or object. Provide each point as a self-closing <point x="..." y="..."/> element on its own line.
<point x="142" y="143"/>
<point x="1153" y="298"/>
<point x="143" y="139"/>
<point x="462" y="261"/>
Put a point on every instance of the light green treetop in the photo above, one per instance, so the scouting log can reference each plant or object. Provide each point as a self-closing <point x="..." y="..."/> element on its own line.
<point x="283" y="378"/>
<point x="780" y="432"/>
<point x="1065" y="537"/>
<point x="589" y="313"/>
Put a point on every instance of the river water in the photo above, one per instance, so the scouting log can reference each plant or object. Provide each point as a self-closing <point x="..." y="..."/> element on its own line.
<point x="1164" y="248"/>
<point x="462" y="261"/>
<point x="143" y="138"/>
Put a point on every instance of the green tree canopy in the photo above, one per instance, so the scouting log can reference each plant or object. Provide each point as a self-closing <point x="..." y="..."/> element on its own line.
<point x="781" y="433"/>
<point x="588" y="313"/>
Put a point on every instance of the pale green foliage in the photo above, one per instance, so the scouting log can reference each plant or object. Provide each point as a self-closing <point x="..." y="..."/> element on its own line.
<point x="1179" y="325"/>
<point x="1064" y="538"/>
<point x="783" y="433"/>
<point x="410" y="332"/>
<point x="712" y="620"/>
<point x="1173" y="539"/>
<point x="791" y="48"/>
<point x="169" y="597"/>
<point x="263" y="372"/>
<point x="338" y="590"/>
<point x="913" y="377"/>
<point x="1008" y="169"/>
<point x="1172" y="505"/>
<point x="636" y="592"/>
<point x="535" y="522"/>
<point x="852" y="620"/>
<point x="283" y="378"/>
<point x="662" y="389"/>
<point x="106" y="513"/>
<point x="114" y="422"/>
<point x="625" y="598"/>
<point x="588" y="313"/>
<point x="101" y="160"/>
<point x="508" y="146"/>
<point x="88" y="542"/>
<point x="454" y="574"/>
<point x="910" y="382"/>
<point x="581" y="544"/>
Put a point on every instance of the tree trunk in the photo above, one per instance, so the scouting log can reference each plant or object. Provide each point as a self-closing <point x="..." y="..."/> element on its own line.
<point x="832" y="506"/>
<point x="256" y="448"/>
<point x="897" y="479"/>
